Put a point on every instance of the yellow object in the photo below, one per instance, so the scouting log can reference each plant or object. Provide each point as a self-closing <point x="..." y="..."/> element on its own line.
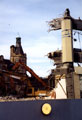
<point x="41" y="92"/>
<point x="46" y="109"/>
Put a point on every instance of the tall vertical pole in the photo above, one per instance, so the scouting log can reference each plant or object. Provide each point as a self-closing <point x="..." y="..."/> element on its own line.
<point x="67" y="52"/>
<point x="67" y="43"/>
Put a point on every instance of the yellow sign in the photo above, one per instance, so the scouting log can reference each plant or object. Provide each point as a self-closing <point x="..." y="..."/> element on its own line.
<point x="46" y="109"/>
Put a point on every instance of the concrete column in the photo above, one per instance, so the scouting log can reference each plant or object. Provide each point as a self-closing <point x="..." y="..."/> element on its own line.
<point x="77" y="86"/>
<point x="67" y="43"/>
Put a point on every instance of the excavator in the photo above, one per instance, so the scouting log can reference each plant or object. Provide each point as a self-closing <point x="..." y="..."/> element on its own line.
<point x="22" y="85"/>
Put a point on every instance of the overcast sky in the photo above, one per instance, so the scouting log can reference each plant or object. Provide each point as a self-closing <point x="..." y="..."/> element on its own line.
<point x="27" y="19"/>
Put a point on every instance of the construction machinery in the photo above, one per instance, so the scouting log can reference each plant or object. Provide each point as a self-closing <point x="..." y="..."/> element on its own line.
<point x="22" y="85"/>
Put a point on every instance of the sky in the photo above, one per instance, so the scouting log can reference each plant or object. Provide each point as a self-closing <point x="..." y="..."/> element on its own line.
<point x="28" y="19"/>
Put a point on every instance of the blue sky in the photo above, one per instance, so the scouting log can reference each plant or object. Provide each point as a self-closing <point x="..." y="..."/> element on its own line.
<point x="27" y="19"/>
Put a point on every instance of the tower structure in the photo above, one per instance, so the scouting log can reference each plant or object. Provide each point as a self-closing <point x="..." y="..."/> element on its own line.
<point x="17" y="54"/>
<point x="65" y="58"/>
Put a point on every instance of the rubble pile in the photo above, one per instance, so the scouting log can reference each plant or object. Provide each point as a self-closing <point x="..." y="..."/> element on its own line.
<point x="12" y="98"/>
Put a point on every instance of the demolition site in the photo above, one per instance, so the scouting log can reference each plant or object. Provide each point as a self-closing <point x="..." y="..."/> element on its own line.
<point x="65" y="78"/>
<point x="24" y="97"/>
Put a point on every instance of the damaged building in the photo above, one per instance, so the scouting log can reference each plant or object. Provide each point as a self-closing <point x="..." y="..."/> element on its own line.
<point x="13" y="75"/>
